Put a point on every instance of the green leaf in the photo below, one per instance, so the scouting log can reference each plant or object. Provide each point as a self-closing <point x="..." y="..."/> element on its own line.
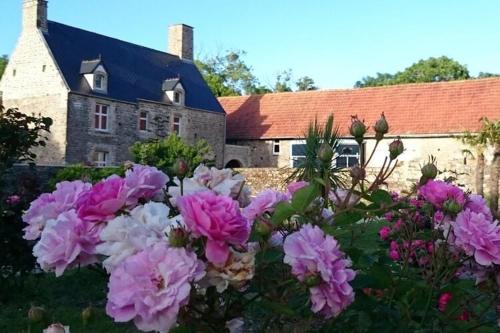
<point x="347" y="217"/>
<point x="277" y="307"/>
<point x="269" y="256"/>
<point x="304" y="197"/>
<point x="381" y="197"/>
<point x="282" y="212"/>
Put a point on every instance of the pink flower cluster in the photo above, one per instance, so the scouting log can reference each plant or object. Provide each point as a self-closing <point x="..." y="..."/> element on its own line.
<point x="219" y="219"/>
<point x="437" y="192"/>
<point x="151" y="286"/>
<point x="65" y="220"/>
<point x="66" y="242"/>
<point x="264" y="202"/>
<point x="314" y="255"/>
<point x="478" y="236"/>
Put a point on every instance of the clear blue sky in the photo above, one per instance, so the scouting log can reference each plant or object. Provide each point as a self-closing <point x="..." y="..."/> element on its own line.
<point x="336" y="42"/>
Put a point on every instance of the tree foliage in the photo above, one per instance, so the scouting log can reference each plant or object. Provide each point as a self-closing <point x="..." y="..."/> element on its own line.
<point x="163" y="153"/>
<point x="428" y="70"/>
<point x="229" y="75"/>
<point x="19" y="133"/>
<point x="305" y="83"/>
<point x="3" y="63"/>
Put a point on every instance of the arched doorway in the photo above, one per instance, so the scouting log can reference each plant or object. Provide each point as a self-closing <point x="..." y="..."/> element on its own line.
<point x="234" y="164"/>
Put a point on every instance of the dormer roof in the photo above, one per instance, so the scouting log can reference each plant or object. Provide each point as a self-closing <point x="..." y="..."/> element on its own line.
<point x="170" y="84"/>
<point x="89" y="66"/>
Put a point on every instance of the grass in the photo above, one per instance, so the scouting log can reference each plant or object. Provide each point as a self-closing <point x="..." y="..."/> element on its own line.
<point x="64" y="298"/>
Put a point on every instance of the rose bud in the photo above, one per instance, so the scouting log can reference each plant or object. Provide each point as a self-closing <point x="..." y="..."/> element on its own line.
<point x="357" y="129"/>
<point x="178" y="237"/>
<point x="381" y="127"/>
<point x="396" y="148"/>
<point x="325" y="153"/>
<point x="128" y="165"/>
<point x="180" y="168"/>
<point x="452" y="207"/>
<point x="429" y="171"/>
<point x="36" y="314"/>
<point x="357" y="173"/>
<point x="55" y="328"/>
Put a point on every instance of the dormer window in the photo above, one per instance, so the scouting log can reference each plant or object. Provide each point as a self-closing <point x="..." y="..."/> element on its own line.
<point x="177" y="97"/>
<point x="174" y="90"/>
<point x="96" y="75"/>
<point x="99" y="81"/>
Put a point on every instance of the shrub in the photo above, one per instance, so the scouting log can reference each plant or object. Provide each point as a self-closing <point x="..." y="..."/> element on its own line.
<point x="163" y="153"/>
<point x="84" y="173"/>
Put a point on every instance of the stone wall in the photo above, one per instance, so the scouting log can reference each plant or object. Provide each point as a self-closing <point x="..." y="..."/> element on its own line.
<point x="38" y="176"/>
<point x="123" y="122"/>
<point x="32" y="82"/>
<point x="240" y="154"/>
<point x="259" y="179"/>
<point x="262" y="155"/>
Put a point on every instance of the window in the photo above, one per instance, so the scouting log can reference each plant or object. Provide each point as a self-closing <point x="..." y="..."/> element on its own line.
<point x="101" y="117"/>
<point x="177" y="97"/>
<point x="101" y="158"/>
<point x="14" y="72"/>
<point x="276" y="147"/>
<point x="143" y="121"/>
<point x="176" y="125"/>
<point x="348" y="155"/>
<point x="99" y="81"/>
<point x="298" y="153"/>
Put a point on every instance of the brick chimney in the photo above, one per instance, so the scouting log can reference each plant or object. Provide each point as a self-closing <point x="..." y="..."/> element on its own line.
<point x="35" y="15"/>
<point x="180" y="41"/>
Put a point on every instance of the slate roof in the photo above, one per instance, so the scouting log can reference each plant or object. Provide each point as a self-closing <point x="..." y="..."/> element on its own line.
<point x="135" y="72"/>
<point x="169" y="84"/>
<point x="411" y="109"/>
<point x="88" y="66"/>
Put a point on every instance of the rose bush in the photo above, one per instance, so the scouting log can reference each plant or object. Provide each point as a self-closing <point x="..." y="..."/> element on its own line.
<point x="333" y="253"/>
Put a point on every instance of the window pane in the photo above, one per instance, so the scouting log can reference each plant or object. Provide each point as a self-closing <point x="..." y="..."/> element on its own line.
<point x="104" y="122"/>
<point x="298" y="150"/>
<point x="353" y="161"/>
<point x="348" y="149"/>
<point x="341" y="162"/>
<point x="276" y="148"/>
<point x="104" y="109"/>
<point x="96" y="121"/>
<point x="298" y="162"/>
<point x="142" y="124"/>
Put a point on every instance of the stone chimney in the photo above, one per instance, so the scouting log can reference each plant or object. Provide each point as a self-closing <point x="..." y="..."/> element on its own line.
<point x="180" y="41"/>
<point x="35" y="15"/>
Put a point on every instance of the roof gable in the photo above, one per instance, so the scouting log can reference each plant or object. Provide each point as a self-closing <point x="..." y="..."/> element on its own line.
<point x="411" y="109"/>
<point x="135" y="72"/>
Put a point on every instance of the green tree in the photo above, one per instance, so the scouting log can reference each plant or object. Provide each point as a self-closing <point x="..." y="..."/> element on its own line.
<point x="483" y="75"/>
<point x="163" y="153"/>
<point x="228" y="74"/>
<point x="428" y="70"/>
<point x="3" y="63"/>
<point x="19" y="133"/>
<point x="305" y="83"/>
<point x="283" y="81"/>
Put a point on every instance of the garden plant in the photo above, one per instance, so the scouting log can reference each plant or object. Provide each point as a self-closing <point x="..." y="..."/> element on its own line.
<point x="335" y="252"/>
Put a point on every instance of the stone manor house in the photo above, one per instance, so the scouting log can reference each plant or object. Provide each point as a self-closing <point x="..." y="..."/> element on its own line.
<point x="104" y="94"/>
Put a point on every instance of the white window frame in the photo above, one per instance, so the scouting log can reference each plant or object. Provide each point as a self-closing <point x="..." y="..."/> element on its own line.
<point x="349" y="142"/>
<point x="176" y="123"/>
<point x="293" y="158"/>
<point x="276" y="144"/>
<point x="98" y="112"/>
<point x="143" y="116"/>
<point x="101" y="159"/>
<point x="101" y="78"/>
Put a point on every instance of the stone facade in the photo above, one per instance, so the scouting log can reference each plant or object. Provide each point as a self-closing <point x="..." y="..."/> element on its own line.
<point x="237" y="156"/>
<point x="34" y="83"/>
<point x="268" y="170"/>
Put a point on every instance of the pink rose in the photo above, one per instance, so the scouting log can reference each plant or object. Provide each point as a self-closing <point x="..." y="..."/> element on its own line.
<point x="143" y="182"/>
<point x="219" y="219"/>
<point x="103" y="200"/>
<point x="13" y="199"/>
<point x="384" y="233"/>
<point x="438" y="192"/>
<point x="66" y="242"/>
<point x="265" y="201"/>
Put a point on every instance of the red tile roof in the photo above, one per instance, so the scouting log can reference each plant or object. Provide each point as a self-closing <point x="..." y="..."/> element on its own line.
<point x="411" y="109"/>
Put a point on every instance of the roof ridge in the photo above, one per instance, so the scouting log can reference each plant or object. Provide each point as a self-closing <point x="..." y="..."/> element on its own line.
<point x="387" y="87"/>
<point x="117" y="39"/>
